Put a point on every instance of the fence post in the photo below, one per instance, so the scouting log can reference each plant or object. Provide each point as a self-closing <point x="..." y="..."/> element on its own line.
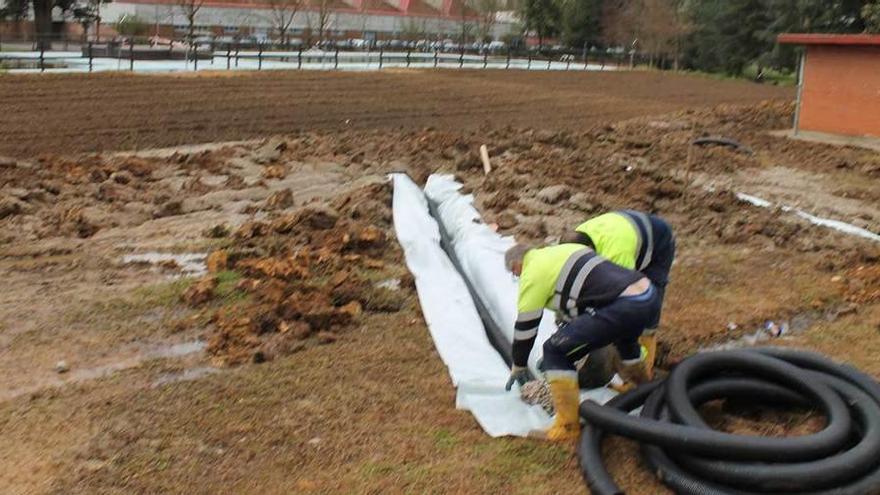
<point x="381" y="52"/>
<point x="42" y="57"/>
<point x="485" y="59"/>
<point x="131" y="55"/>
<point x="90" y="56"/>
<point x="228" y="56"/>
<point x="549" y="61"/>
<point x="260" y="56"/>
<point x="237" y="50"/>
<point x="336" y="59"/>
<point x="436" y="58"/>
<point x="299" y="58"/>
<point x="530" y="61"/>
<point x="568" y="61"/>
<point x="407" y="57"/>
<point x="507" y="65"/>
<point x="461" y="57"/>
<point x="586" y="59"/>
<point x="195" y="58"/>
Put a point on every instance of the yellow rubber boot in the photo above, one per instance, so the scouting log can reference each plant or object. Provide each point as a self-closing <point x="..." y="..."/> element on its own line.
<point x="648" y="342"/>
<point x="566" y="399"/>
<point x="635" y="372"/>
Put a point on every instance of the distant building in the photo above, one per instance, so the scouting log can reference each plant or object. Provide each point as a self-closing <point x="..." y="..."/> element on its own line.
<point x="365" y="19"/>
<point x="839" y="89"/>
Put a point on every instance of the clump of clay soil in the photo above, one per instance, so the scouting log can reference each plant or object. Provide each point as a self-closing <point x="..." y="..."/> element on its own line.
<point x="309" y="276"/>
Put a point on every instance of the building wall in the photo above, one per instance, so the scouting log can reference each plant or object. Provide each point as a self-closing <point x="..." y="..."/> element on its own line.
<point x="258" y="20"/>
<point x="841" y="92"/>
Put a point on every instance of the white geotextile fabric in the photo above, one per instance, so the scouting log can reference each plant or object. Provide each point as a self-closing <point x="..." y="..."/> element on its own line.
<point x="480" y="252"/>
<point x="477" y="370"/>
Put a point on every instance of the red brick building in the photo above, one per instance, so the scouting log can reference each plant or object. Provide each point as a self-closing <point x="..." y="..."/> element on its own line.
<point x="839" y="90"/>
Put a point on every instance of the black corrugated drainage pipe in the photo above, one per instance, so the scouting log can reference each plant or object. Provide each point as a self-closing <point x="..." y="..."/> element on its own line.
<point x="691" y="458"/>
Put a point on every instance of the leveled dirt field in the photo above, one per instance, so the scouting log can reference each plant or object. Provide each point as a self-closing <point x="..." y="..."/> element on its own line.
<point x="283" y="351"/>
<point x="72" y="113"/>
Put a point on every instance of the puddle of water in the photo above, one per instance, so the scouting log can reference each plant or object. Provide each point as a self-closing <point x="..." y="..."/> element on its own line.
<point x="80" y="375"/>
<point x="176" y="350"/>
<point x="184" y="376"/>
<point x="189" y="264"/>
<point x="771" y="330"/>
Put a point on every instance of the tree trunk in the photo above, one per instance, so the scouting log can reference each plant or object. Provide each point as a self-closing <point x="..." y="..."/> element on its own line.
<point x="191" y="17"/>
<point x="43" y="22"/>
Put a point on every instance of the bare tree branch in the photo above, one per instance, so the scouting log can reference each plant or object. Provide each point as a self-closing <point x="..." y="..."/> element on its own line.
<point x="282" y="14"/>
<point x="190" y="8"/>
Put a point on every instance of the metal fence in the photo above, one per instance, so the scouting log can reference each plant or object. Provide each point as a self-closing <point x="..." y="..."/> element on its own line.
<point x="140" y="55"/>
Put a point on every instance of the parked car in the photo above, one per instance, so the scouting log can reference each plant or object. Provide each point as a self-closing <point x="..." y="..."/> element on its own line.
<point x="497" y="46"/>
<point x="224" y="42"/>
<point x="203" y="40"/>
<point x="450" y="46"/>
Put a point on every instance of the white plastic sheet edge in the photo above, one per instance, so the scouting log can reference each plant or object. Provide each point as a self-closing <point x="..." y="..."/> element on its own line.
<point x="476" y="369"/>
<point x="844" y="227"/>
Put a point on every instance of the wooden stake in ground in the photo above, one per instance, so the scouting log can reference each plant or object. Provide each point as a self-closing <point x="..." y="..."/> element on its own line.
<point x="689" y="164"/>
<point x="484" y="156"/>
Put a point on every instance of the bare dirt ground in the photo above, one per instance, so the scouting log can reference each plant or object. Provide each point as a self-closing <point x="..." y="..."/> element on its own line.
<point x="75" y="113"/>
<point x="293" y="358"/>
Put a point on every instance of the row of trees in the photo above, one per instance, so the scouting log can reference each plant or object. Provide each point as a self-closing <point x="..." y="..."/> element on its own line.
<point x="87" y="13"/>
<point x="711" y="35"/>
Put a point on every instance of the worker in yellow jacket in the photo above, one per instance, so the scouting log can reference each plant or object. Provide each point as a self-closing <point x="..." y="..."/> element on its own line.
<point x="635" y="240"/>
<point x="600" y="303"/>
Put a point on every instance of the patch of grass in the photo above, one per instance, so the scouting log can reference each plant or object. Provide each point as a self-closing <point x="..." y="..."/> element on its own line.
<point x="163" y="294"/>
<point x="445" y="439"/>
<point x="527" y="456"/>
<point x="226" y="292"/>
<point x="377" y="469"/>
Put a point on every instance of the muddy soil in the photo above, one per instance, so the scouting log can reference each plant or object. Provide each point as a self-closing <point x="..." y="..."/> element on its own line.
<point x="237" y="316"/>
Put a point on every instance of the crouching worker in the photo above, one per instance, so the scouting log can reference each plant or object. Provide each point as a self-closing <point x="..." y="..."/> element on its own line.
<point x="600" y="303"/>
<point x="634" y="240"/>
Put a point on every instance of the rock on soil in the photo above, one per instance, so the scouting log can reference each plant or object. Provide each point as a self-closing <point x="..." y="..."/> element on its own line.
<point x="531" y="229"/>
<point x="554" y="194"/>
<point x="169" y="209"/>
<point x="270" y="152"/>
<point x="581" y="202"/>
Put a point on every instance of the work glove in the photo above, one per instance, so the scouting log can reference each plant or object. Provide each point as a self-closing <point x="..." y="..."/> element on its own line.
<point x="519" y="374"/>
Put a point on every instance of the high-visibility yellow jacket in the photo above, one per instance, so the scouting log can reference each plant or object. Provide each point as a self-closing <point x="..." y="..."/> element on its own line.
<point x="623" y="237"/>
<point x="568" y="279"/>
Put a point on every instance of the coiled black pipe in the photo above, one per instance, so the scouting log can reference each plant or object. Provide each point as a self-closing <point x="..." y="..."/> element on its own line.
<point x="691" y="458"/>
